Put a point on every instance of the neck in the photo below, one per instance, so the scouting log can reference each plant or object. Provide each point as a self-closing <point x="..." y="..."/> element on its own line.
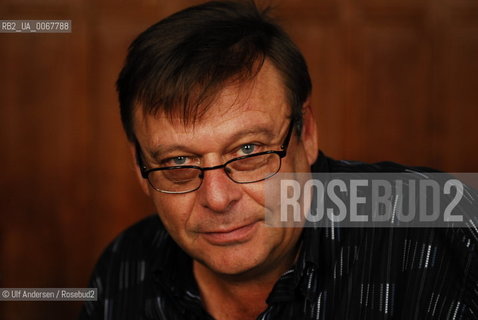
<point x="237" y="296"/>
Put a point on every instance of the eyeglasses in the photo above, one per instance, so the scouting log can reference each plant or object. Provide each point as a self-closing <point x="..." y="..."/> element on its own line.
<point x="246" y="169"/>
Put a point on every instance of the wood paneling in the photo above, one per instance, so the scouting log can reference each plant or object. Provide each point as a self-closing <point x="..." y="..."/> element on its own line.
<point x="393" y="80"/>
<point x="391" y="91"/>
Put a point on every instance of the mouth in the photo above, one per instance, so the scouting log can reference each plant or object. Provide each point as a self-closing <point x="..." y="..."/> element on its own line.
<point x="231" y="236"/>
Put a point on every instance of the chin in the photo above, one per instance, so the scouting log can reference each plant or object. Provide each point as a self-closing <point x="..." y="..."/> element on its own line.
<point x="232" y="264"/>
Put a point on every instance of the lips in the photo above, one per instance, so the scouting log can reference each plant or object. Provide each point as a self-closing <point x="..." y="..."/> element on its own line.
<point x="231" y="236"/>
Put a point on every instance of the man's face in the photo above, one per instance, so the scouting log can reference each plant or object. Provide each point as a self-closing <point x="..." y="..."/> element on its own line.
<point x="221" y="225"/>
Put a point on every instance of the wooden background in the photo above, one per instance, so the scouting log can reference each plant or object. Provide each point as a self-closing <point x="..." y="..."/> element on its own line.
<point x="395" y="80"/>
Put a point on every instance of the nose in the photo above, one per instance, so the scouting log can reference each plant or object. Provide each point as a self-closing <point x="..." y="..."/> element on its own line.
<point x="218" y="192"/>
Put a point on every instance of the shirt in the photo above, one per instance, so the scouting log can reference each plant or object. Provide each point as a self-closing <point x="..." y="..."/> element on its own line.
<point x="341" y="273"/>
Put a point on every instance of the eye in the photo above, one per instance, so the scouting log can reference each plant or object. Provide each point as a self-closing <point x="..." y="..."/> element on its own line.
<point x="248" y="148"/>
<point x="179" y="160"/>
<point x="175" y="161"/>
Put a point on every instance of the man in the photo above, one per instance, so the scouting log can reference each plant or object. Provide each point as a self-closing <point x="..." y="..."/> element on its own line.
<point x="214" y="101"/>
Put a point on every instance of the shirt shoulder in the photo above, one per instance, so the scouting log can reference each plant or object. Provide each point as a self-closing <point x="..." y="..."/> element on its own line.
<point x="137" y="242"/>
<point x="423" y="267"/>
<point x="123" y="271"/>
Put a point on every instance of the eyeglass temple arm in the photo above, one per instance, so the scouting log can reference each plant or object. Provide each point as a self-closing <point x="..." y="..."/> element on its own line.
<point x="285" y="145"/>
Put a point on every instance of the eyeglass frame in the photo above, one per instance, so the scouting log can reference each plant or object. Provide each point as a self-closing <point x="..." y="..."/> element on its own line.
<point x="281" y="153"/>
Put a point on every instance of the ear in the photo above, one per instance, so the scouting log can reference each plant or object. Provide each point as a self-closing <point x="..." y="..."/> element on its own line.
<point x="309" y="134"/>
<point x="142" y="182"/>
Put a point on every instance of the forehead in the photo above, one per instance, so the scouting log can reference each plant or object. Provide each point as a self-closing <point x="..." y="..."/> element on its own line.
<point x="258" y="102"/>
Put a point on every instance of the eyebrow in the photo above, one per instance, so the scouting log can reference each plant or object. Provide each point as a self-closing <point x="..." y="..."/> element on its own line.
<point x="159" y="150"/>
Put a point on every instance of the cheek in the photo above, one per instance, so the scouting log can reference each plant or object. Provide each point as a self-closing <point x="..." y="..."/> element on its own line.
<point x="174" y="211"/>
<point x="255" y="191"/>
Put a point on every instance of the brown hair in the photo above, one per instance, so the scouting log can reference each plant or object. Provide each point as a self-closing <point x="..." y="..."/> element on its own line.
<point x="180" y="63"/>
